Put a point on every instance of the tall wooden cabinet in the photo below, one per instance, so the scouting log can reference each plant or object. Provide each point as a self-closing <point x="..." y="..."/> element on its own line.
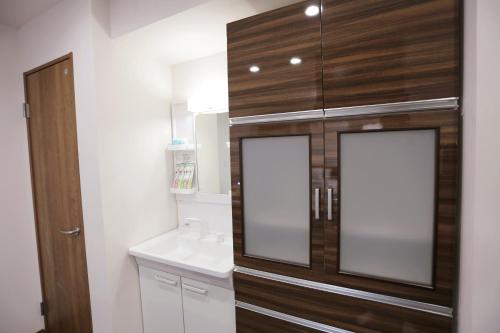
<point x="344" y="166"/>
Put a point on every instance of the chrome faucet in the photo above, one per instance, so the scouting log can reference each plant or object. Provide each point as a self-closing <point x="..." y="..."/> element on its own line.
<point x="203" y="227"/>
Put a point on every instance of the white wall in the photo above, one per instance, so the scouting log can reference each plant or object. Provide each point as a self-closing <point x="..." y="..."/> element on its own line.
<point x="203" y="77"/>
<point x="65" y="28"/>
<point x="134" y="126"/>
<point x="20" y="292"/>
<point x="479" y="298"/>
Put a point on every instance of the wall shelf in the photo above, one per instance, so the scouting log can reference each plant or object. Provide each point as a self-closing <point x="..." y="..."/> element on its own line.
<point x="182" y="190"/>
<point x="182" y="147"/>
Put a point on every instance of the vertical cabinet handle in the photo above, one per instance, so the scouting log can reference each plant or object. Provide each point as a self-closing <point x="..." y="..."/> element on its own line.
<point x="329" y="204"/>
<point x="316" y="203"/>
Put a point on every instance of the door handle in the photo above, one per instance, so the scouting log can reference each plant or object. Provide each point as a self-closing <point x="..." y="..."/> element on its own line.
<point x="194" y="289"/>
<point x="74" y="232"/>
<point x="316" y="203"/>
<point x="329" y="203"/>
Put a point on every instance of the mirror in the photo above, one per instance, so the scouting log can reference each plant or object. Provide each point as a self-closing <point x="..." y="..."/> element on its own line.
<point x="212" y="152"/>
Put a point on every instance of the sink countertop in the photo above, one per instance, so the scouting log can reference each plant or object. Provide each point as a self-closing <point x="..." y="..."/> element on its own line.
<point x="189" y="252"/>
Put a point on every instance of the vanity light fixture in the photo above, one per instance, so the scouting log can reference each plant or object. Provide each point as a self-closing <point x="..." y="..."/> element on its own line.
<point x="295" y="61"/>
<point x="254" y="69"/>
<point x="312" y="10"/>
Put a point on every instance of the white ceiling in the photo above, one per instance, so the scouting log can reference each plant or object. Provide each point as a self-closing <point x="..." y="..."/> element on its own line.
<point x="194" y="33"/>
<point x="129" y="15"/>
<point x="15" y="13"/>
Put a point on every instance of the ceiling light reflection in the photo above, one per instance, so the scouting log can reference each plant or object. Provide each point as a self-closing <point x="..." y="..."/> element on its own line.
<point x="312" y="10"/>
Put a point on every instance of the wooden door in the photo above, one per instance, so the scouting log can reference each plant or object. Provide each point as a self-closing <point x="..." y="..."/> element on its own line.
<point x="387" y="51"/>
<point x="274" y="61"/>
<point x="394" y="210"/>
<point x="270" y="191"/>
<point x="57" y="198"/>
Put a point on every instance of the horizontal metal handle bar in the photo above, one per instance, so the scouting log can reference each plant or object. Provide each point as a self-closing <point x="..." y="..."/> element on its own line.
<point x="429" y="104"/>
<point x="163" y="279"/>
<point x="74" y="232"/>
<point x="195" y="289"/>
<point x="401" y="302"/>
<point x="276" y="117"/>
<point x="291" y="319"/>
<point x="421" y="105"/>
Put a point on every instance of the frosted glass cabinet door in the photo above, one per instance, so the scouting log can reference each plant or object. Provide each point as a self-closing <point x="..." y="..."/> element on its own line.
<point x="387" y="206"/>
<point x="391" y="187"/>
<point x="277" y="173"/>
<point x="276" y="199"/>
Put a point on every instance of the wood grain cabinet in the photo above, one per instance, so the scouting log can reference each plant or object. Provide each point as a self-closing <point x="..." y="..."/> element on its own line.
<point x="306" y="308"/>
<point x="346" y="216"/>
<point x="277" y="191"/>
<point x="253" y="322"/>
<point x="387" y="51"/>
<point x="367" y="203"/>
<point x="348" y="222"/>
<point x="393" y="222"/>
<point x="274" y="62"/>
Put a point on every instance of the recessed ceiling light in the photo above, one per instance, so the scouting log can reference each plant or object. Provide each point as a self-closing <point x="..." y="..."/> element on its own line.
<point x="312" y="10"/>
<point x="254" y="69"/>
<point x="295" y="61"/>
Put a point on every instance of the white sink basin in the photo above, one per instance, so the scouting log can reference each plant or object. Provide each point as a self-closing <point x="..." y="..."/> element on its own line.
<point x="205" y="256"/>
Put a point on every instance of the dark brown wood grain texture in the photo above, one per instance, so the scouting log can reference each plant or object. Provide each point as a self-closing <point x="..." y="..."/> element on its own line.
<point x="340" y="311"/>
<point x="325" y="259"/>
<point x="446" y="123"/>
<point x="270" y="40"/>
<point x="251" y="322"/>
<point x="57" y="197"/>
<point x="385" y="51"/>
<point x="315" y="130"/>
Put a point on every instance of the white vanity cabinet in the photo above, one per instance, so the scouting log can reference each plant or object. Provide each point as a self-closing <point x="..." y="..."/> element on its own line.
<point x="175" y="304"/>
<point x="161" y="297"/>
<point x="207" y="308"/>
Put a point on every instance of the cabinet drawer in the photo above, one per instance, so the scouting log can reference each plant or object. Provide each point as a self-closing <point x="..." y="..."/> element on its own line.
<point x="252" y="322"/>
<point x="161" y="301"/>
<point x="336" y="310"/>
<point x="207" y="308"/>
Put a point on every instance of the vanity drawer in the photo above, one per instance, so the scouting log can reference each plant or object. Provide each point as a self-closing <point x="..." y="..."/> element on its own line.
<point x="336" y="310"/>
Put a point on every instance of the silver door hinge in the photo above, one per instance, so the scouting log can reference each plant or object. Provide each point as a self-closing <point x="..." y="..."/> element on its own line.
<point x="26" y="110"/>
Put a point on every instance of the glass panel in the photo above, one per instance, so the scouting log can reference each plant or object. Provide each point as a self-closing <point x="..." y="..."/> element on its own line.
<point x="276" y="186"/>
<point x="387" y="204"/>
